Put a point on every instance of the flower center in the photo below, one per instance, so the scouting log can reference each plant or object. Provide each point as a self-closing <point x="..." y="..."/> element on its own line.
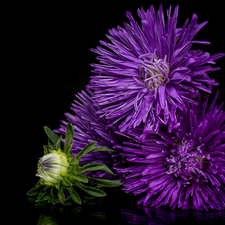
<point x="187" y="161"/>
<point x="153" y="71"/>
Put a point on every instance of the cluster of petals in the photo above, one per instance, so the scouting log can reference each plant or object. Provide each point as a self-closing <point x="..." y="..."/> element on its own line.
<point x="88" y="127"/>
<point x="183" y="168"/>
<point x="144" y="101"/>
<point x="146" y="73"/>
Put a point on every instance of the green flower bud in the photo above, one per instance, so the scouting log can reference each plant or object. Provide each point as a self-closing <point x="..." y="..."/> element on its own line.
<point x="51" y="166"/>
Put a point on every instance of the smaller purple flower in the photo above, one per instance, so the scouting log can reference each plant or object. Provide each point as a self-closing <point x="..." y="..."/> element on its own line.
<point x="148" y="72"/>
<point x="184" y="168"/>
<point x="89" y="127"/>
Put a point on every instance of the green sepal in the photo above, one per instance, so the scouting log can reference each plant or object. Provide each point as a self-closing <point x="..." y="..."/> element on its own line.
<point x="46" y="149"/>
<point x="74" y="195"/>
<point x="68" y="138"/>
<point x="34" y="191"/>
<point x="52" y="136"/>
<point x="85" y="150"/>
<point x="61" y="196"/>
<point x="79" y="177"/>
<point x="50" y="144"/>
<point x="94" y="166"/>
<point x="67" y="201"/>
<point x="91" y="190"/>
<point x="59" y="144"/>
<point x="103" y="182"/>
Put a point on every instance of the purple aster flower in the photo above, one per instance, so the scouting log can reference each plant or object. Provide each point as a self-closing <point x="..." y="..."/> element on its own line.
<point x="149" y="72"/>
<point x="183" y="168"/>
<point x="88" y="127"/>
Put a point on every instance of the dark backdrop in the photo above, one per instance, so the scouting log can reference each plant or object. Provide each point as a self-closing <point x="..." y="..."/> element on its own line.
<point x="51" y="47"/>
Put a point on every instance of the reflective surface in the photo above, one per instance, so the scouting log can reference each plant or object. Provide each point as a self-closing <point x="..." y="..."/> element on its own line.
<point x="119" y="208"/>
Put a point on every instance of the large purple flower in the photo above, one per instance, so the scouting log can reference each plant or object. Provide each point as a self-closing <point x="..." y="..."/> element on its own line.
<point x="185" y="168"/>
<point x="88" y="127"/>
<point x="149" y="72"/>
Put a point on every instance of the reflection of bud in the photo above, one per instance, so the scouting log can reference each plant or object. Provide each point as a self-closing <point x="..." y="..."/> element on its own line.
<point x="46" y="220"/>
<point x="50" y="167"/>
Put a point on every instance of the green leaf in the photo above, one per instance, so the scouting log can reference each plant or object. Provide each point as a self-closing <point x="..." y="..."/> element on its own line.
<point x="55" y="199"/>
<point x="52" y="136"/>
<point x="94" y="166"/>
<point x="70" y="128"/>
<point x="50" y="199"/>
<point x="73" y="169"/>
<point x="66" y="182"/>
<point x="102" y="148"/>
<point x="103" y="182"/>
<point x="74" y="195"/>
<point x="59" y="144"/>
<point x="42" y="193"/>
<point x="61" y="196"/>
<point x="50" y="144"/>
<point x="47" y="187"/>
<point x="46" y="149"/>
<point x="52" y="191"/>
<point x="70" y="153"/>
<point x="67" y="149"/>
<point x="38" y="184"/>
<point x="44" y="197"/>
<point x="79" y="177"/>
<point x="68" y="138"/>
<point x="35" y="190"/>
<point x="68" y="201"/>
<point x="58" y="185"/>
<point x="85" y="150"/>
<point x="69" y="168"/>
<point x="91" y="190"/>
<point x="74" y="161"/>
<point x="87" y="198"/>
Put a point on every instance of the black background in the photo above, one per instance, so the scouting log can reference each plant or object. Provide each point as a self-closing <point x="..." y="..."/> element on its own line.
<point x="48" y="47"/>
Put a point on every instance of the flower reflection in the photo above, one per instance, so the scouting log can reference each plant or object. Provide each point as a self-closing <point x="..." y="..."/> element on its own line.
<point x="118" y="209"/>
<point x="164" y="215"/>
<point x="46" y="220"/>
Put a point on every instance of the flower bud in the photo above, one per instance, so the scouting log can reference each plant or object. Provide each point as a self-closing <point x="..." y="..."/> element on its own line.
<point x="51" y="166"/>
